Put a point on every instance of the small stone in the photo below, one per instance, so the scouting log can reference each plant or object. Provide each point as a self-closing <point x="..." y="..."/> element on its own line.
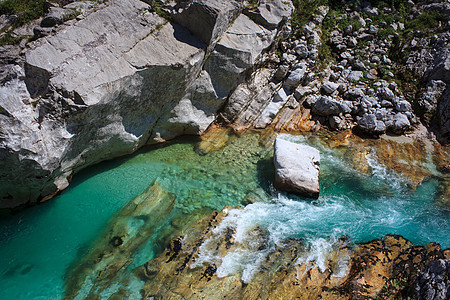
<point x="369" y="124"/>
<point x="354" y="94"/>
<point x="335" y="122"/>
<point x="301" y="51"/>
<point x="310" y="101"/>
<point x="296" y="77"/>
<point x="348" y="29"/>
<point x="373" y="29"/>
<point x="329" y="87"/>
<point x="386" y="103"/>
<point x="346" y="55"/>
<point x="355" y="76"/>
<point x="300" y="92"/>
<point x="352" y="42"/>
<point x="386" y="93"/>
<point x="42" y="31"/>
<point x="375" y="59"/>
<point x="400" y="123"/>
<point x="403" y="106"/>
<point x="281" y="72"/>
<point x="327" y="107"/>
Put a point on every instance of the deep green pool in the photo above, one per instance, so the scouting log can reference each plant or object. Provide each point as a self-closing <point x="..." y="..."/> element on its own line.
<point x="38" y="245"/>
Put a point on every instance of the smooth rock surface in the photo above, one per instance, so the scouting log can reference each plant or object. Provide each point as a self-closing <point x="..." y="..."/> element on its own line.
<point x="117" y="79"/>
<point x="296" y="168"/>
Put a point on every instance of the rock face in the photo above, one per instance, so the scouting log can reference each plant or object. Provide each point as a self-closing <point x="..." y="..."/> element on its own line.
<point x="118" y="78"/>
<point x="296" y="168"/>
<point x="433" y="282"/>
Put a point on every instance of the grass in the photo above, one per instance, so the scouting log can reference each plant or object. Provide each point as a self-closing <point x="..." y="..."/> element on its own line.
<point x="25" y="10"/>
<point x="8" y="39"/>
<point x="426" y="21"/>
<point x="157" y="8"/>
<point x="71" y="15"/>
<point x="304" y="10"/>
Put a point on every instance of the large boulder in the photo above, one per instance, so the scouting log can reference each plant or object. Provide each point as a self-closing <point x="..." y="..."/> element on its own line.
<point x="369" y="124"/>
<point x="270" y="13"/>
<point x="238" y="49"/>
<point x="119" y="78"/>
<point x="326" y="107"/>
<point x="296" y="168"/>
<point x="206" y="19"/>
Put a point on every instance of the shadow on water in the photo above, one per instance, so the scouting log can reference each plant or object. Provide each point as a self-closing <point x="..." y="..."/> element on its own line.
<point x="107" y="165"/>
<point x="266" y="175"/>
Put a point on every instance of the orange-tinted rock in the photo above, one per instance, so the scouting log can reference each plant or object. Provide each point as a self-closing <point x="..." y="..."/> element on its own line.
<point x="385" y="268"/>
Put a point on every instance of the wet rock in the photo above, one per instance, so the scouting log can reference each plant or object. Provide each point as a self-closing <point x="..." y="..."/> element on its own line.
<point x="110" y="254"/>
<point x="296" y="168"/>
<point x="384" y="268"/>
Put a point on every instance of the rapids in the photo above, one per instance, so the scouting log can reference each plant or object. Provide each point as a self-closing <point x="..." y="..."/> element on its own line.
<point x="38" y="245"/>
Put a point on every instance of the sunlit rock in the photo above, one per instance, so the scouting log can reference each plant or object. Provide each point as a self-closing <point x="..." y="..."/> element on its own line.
<point x="297" y="168"/>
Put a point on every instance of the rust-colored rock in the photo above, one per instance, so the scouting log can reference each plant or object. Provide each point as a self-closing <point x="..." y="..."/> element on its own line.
<point x="386" y="268"/>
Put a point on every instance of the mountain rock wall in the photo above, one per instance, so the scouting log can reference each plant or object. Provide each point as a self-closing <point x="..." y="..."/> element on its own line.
<point x="120" y="77"/>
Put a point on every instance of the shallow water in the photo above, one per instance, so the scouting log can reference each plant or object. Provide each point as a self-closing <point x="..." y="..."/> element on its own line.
<point x="38" y="245"/>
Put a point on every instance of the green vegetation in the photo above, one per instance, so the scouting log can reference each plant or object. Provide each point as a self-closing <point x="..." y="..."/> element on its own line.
<point x="252" y="4"/>
<point x="25" y="10"/>
<point x="157" y="8"/>
<point x="71" y="15"/>
<point x="8" y="39"/>
<point x="427" y="20"/>
<point x="304" y="10"/>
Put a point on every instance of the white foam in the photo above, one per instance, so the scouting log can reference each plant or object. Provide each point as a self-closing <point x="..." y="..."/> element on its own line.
<point x="320" y="223"/>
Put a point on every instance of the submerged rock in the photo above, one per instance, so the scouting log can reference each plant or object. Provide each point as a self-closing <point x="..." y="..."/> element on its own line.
<point x="199" y="265"/>
<point x="297" y="168"/>
<point x="112" y="253"/>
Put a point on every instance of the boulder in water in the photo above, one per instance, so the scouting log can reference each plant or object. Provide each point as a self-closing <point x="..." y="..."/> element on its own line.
<point x="296" y="168"/>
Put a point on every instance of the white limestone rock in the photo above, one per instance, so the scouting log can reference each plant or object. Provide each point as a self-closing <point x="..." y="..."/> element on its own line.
<point x="296" y="168"/>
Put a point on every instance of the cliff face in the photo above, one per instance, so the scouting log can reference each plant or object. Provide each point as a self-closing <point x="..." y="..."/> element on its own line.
<point x="120" y="77"/>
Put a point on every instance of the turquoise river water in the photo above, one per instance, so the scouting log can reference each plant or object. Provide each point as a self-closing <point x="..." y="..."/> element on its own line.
<point x="38" y="245"/>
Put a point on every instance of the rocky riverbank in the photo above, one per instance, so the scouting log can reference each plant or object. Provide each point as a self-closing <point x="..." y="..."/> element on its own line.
<point x="192" y="267"/>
